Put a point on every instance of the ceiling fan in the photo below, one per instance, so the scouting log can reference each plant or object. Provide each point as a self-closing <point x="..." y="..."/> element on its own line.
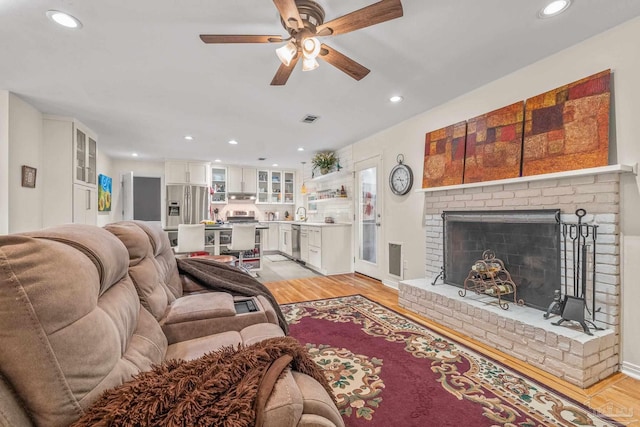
<point x="304" y="21"/>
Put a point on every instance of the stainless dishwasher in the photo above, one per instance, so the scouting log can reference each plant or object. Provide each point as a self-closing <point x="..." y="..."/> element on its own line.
<point x="295" y="241"/>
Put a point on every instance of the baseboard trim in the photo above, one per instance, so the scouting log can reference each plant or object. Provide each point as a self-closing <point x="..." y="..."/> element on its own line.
<point x="390" y="284"/>
<point x="631" y="370"/>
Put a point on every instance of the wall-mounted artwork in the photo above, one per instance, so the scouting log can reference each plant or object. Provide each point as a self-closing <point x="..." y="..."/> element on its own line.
<point x="444" y="156"/>
<point x="494" y="145"/>
<point x="29" y="176"/>
<point x="568" y="128"/>
<point x="104" y="193"/>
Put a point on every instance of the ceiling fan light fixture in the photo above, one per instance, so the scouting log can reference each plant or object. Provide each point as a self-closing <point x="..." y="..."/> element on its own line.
<point x="310" y="47"/>
<point x="309" y="64"/>
<point x="287" y="52"/>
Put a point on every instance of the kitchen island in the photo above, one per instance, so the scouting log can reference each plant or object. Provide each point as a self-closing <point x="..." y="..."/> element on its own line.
<point x="218" y="236"/>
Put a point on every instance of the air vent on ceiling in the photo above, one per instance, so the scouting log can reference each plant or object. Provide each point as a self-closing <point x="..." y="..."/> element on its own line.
<point x="309" y="118"/>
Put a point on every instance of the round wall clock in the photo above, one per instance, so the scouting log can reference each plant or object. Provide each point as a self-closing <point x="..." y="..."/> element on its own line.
<point x="401" y="177"/>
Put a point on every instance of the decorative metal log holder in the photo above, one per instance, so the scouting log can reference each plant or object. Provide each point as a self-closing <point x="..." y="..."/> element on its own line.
<point x="488" y="276"/>
<point x="577" y="238"/>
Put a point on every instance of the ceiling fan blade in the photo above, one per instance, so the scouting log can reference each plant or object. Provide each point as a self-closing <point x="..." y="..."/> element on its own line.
<point x="377" y="13"/>
<point x="230" y="38"/>
<point x="343" y="63"/>
<point x="283" y="73"/>
<point x="289" y="13"/>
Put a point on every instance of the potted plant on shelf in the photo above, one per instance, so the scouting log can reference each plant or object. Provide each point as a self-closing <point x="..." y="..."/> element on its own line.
<point x="324" y="161"/>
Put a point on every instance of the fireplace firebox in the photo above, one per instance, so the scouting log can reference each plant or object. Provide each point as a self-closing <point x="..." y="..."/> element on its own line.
<point x="528" y="241"/>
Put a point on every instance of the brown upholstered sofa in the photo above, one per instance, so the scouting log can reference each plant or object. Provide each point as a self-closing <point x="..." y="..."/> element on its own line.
<point x="83" y="309"/>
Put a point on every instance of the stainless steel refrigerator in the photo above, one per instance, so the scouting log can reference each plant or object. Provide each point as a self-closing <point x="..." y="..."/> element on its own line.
<point x="186" y="204"/>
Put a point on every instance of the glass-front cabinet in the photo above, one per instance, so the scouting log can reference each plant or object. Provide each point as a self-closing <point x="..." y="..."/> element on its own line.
<point x="276" y="187"/>
<point x="263" y="186"/>
<point x="218" y="185"/>
<point x="288" y="194"/>
<point x="85" y="158"/>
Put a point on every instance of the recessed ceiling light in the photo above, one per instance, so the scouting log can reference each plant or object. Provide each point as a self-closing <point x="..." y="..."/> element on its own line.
<point x="64" y="19"/>
<point x="233" y="142"/>
<point x="217" y="160"/>
<point x="188" y="138"/>
<point x="554" y="8"/>
<point x="300" y="148"/>
<point x="396" y="98"/>
<point x="275" y="165"/>
<point x="134" y="154"/>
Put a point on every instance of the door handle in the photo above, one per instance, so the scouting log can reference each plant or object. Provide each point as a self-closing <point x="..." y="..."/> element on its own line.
<point x="88" y="200"/>
<point x="378" y="224"/>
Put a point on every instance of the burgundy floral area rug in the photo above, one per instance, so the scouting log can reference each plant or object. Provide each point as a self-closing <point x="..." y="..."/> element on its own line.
<point x="387" y="370"/>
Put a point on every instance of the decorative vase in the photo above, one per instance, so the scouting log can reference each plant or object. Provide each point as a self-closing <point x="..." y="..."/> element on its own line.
<point x="324" y="171"/>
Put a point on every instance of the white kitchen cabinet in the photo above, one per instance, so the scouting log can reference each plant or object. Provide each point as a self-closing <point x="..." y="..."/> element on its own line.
<point x="85" y="204"/>
<point x="274" y="237"/>
<point x="284" y="244"/>
<point x="69" y="190"/>
<point x="182" y="172"/>
<point x="329" y="249"/>
<point x="242" y="180"/>
<point x="304" y="243"/>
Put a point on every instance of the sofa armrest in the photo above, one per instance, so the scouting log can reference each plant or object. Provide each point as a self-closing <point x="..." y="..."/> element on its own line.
<point x="198" y="315"/>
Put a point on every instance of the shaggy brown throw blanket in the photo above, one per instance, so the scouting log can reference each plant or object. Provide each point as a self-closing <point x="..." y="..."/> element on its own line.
<point x="218" y="276"/>
<point x="228" y="387"/>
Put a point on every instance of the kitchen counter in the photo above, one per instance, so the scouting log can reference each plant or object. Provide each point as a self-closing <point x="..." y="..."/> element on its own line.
<point x="259" y="226"/>
<point x="313" y="224"/>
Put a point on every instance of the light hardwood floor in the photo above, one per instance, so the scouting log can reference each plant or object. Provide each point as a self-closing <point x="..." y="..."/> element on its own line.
<point x="618" y="396"/>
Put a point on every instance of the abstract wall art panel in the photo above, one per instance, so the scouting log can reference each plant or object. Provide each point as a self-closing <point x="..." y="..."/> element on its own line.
<point x="444" y="156"/>
<point x="568" y="128"/>
<point x="494" y="145"/>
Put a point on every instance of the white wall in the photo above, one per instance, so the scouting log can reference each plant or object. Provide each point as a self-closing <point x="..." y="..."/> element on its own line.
<point x="4" y="162"/>
<point x="615" y="49"/>
<point x="25" y="148"/>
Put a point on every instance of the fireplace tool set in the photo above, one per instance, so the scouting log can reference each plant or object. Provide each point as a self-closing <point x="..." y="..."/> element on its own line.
<point x="577" y="239"/>
<point x="489" y="276"/>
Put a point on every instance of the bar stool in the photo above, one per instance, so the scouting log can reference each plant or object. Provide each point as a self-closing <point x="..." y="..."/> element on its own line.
<point x="243" y="238"/>
<point x="191" y="244"/>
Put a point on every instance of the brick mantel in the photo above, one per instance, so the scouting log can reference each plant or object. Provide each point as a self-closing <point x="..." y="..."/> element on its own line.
<point x="549" y="176"/>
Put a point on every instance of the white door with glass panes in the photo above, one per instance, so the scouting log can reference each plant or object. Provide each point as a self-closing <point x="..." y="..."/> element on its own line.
<point x="368" y="234"/>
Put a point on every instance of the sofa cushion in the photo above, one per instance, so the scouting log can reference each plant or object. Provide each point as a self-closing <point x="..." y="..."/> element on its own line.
<point x="72" y="324"/>
<point x="197" y="347"/>
<point x="11" y="411"/>
<point x="164" y="256"/>
<point x="143" y="268"/>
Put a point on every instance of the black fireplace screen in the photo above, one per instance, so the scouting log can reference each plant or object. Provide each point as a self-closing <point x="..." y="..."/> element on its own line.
<point x="527" y="241"/>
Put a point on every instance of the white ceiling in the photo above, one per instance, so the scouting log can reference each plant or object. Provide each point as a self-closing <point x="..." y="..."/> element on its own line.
<point x="139" y="76"/>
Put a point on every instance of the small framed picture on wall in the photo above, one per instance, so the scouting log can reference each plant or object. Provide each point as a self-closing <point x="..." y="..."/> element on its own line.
<point x="29" y="176"/>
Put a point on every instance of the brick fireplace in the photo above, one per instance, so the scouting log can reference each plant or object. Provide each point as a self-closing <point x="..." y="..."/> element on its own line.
<point x="564" y="351"/>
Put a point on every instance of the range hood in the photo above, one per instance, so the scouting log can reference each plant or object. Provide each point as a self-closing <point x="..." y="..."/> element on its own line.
<point x="242" y="197"/>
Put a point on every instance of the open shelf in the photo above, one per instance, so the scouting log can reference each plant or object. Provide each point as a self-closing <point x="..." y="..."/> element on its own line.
<point x="330" y="175"/>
